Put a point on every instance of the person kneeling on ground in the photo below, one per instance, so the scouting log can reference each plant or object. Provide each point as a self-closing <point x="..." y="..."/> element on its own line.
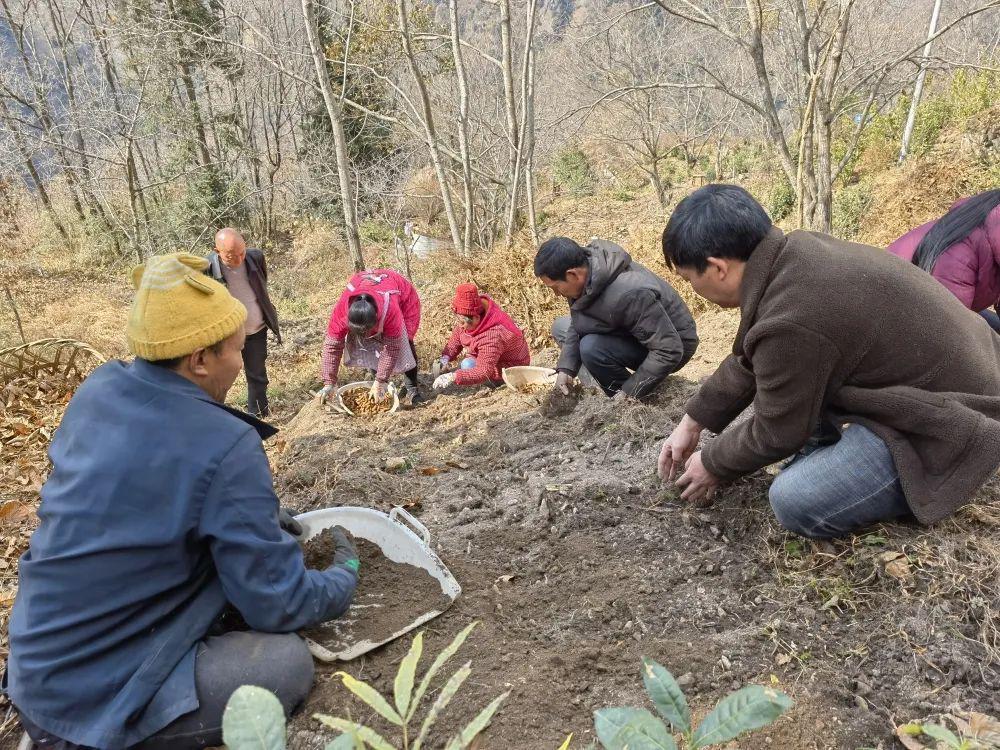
<point x="492" y="339"/>
<point x="832" y="333"/>
<point x="372" y="326"/>
<point x="158" y="516"/>
<point x="628" y="327"/>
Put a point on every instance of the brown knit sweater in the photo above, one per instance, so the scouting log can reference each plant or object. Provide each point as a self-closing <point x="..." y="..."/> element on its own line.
<point x="835" y="327"/>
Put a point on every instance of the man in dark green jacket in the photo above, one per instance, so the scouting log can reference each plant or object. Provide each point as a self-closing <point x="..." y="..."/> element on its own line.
<point x="627" y="326"/>
<point x="839" y="340"/>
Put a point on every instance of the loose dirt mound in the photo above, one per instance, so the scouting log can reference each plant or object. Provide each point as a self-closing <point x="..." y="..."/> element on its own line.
<point x="577" y="562"/>
<point x="389" y="596"/>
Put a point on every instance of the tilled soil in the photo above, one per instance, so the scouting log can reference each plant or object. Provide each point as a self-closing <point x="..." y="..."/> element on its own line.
<point x="390" y="595"/>
<point x="576" y="562"/>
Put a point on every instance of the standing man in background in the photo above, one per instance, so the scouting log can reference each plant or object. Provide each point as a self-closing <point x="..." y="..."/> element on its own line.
<point x="245" y="273"/>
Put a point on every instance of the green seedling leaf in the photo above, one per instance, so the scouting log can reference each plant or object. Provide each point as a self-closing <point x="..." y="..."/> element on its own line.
<point x="626" y="728"/>
<point x="462" y="740"/>
<point x="403" y="687"/>
<point x="439" y="662"/>
<point x="369" y="736"/>
<point x="874" y="540"/>
<point x="942" y="734"/>
<point x="666" y="695"/>
<point x="447" y="693"/>
<point x="750" y="708"/>
<point x="372" y="697"/>
<point x="253" y="720"/>
<point x="346" y="741"/>
<point x="565" y="744"/>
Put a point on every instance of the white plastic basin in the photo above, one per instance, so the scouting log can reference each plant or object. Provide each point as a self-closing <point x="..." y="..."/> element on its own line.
<point x="403" y="539"/>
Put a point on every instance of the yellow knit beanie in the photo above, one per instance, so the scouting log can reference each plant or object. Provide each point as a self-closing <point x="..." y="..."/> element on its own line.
<point x="178" y="309"/>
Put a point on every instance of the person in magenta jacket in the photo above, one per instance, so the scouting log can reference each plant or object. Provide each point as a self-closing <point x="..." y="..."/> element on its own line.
<point x="962" y="251"/>
<point x="372" y="327"/>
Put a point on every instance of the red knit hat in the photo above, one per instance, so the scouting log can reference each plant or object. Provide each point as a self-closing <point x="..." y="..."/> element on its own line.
<point x="466" y="301"/>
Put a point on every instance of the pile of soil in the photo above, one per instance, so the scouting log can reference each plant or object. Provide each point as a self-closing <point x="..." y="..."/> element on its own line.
<point x="389" y="596"/>
<point x="360" y="402"/>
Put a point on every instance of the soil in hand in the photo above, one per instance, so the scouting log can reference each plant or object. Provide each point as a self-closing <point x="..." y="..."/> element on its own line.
<point x="559" y="404"/>
<point x="361" y="403"/>
<point x="389" y="596"/>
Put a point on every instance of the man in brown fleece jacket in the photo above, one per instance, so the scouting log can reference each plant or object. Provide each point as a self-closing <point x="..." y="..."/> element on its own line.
<point x="883" y="384"/>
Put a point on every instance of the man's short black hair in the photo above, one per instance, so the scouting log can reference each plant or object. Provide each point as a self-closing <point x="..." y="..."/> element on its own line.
<point x="716" y="221"/>
<point x="556" y="256"/>
<point x="175" y="362"/>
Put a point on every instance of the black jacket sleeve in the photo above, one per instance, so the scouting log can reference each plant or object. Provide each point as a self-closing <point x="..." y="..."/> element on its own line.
<point x="645" y="318"/>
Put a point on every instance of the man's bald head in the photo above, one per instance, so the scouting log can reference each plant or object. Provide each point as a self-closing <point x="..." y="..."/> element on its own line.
<point x="230" y="246"/>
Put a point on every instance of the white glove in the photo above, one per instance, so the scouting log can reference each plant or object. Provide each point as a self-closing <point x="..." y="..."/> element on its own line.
<point x="324" y="393"/>
<point x="378" y="390"/>
<point x="443" y="381"/>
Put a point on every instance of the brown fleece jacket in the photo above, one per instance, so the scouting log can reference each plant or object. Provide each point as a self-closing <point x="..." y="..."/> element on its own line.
<point x="834" y="327"/>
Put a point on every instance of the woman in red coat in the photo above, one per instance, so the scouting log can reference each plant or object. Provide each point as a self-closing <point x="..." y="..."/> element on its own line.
<point x="962" y="251"/>
<point x="372" y="326"/>
<point x="491" y="338"/>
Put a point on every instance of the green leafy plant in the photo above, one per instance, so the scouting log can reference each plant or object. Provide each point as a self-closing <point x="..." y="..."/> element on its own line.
<point x="407" y="700"/>
<point x="629" y="728"/>
<point x="253" y="720"/>
<point x="979" y="736"/>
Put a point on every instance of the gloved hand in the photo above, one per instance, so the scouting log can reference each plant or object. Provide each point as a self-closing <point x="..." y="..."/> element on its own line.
<point x="443" y="381"/>
<point x="439" y="365"/>
<point x="620" y="396"/>
<point x="346" y="555"/>
<point x="378" y="390"/>
<point x="324" y="393"/>
<point x="289" y="524"/>
<point x="563" y="381"/>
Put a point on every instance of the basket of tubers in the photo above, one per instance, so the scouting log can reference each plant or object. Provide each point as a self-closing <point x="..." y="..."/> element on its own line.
<point x="355" y="399"/>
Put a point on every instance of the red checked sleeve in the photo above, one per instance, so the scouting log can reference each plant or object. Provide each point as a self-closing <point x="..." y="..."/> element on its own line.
<point x="454" y="346"/>
<point x="333" y="350"/>
<point x="490" y="349"/>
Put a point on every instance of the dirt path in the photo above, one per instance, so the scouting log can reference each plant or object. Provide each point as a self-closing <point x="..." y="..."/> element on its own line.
<point x="576" y="562"/>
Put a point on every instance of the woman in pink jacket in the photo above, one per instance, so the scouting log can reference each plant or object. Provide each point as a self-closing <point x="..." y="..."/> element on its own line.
<point x="962" y="251"/>
<point x="372" y="326"/>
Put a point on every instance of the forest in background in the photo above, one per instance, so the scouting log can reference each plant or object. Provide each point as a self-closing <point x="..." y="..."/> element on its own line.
<point x="131" y="128"/>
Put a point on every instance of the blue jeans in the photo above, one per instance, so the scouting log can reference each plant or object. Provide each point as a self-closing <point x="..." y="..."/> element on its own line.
<point x="837" y="489"/>
<point x="992" y="318"/>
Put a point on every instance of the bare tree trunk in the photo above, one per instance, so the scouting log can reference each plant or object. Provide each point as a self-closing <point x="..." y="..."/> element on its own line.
<point x="29" y="165"/>
<point x="430" y="133"/>
<point x="510" y="110"/>
<point x="911" y="117"/>
<point x="199" y="126"/>
<point x="333" y="112"/>
<point x="522" y="126"/>
<point x="463" y="126"/>
<point x="529" y="144"/>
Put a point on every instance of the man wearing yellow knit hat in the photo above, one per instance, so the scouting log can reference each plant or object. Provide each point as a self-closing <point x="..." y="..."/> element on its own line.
<point x="159" y="514"/>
